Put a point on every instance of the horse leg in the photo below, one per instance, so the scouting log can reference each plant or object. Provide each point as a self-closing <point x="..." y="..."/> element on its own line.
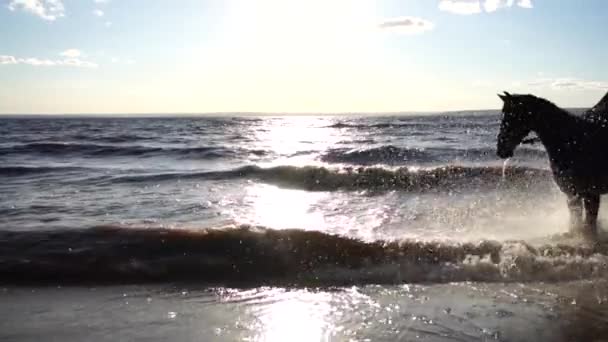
<point x="592" y="206"/>
<point x="575" y="204"/>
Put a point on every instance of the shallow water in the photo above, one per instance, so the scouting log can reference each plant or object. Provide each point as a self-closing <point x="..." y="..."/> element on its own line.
<point x="287" y="228"/>
<point x="372" y="178"/>
<point x="572" y="311"/>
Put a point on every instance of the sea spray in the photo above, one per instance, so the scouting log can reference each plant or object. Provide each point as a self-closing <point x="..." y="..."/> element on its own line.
<point x="505" y="164"/>
<point x="313" y="178"/>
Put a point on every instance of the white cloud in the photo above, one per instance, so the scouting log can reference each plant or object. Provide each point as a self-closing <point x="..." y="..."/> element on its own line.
<point x="108" y="23"/>
<point x="101" y="1"/>
<point x="460" y="6"/>
<point x="525" y="3"/>
<point x="98" y="12"/>
<point x="493" y="5"/>
<point x="407" y="25"/>
<point x="7" y="60"/>
<point x="475" y="6"/>
<point x="45" y="9"/>
<point x="76" y="62"/>
<point x="569" y="83"/>
<point x="69" y="61"/>
<point x="37" y="61"/>
<point x="71" y="53"/>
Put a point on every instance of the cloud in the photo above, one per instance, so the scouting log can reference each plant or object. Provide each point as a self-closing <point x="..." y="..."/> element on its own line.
<point x="108" y="23"/>
<point x="407" y="25"/>
<point x="569" y="83"/>
<point x="466" y="7"/>
<point x="460" y="6"/>
<point x="68" y="61"/>
<point x="493" y="5"/>
<point x="45" y="9"/>
<point x="76" y="62"/>
<point x="71" y="53"/>
<point x="98" y="12"/>
<point x="7" y="60"/>
<point x="101" y="1"/>
<point x="525" y="3"/>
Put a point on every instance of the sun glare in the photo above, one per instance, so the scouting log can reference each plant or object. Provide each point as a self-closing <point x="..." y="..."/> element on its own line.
<point x="301" y="29"/>
<point x="284" y="208"/>
<point x="295" y="316"/>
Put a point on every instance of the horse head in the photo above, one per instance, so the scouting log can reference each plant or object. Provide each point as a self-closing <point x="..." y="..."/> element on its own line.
<point x="516" y="122"/>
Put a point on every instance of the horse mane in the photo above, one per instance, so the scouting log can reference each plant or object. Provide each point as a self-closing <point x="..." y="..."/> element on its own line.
<point x="542" y="102"/>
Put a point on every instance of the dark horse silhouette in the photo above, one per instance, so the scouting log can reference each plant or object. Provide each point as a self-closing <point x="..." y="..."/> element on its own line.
<point x="577" y="147"/>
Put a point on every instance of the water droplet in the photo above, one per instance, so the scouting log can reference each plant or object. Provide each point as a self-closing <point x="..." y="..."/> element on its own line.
<point x="505" y="164"/>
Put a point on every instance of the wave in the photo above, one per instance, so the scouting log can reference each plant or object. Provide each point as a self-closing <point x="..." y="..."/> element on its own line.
<point x="97" y="150"/>
<point x="392" y="155"/>
<point x="12" y="171"/>
<point x="370" y="178"/>
<point x="386" y="154"/>
<point x="254" y="255"/>
<point x="113" y="139"/>
<point x="415" y="124"/>
<point x="357" y="141"/>
<point x="382" y="125"/>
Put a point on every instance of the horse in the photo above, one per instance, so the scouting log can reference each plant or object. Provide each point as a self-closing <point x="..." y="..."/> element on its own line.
<point x="577" y="147"/>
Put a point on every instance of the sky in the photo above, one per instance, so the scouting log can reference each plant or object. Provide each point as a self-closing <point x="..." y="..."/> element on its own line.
<point x="297" y="56"/>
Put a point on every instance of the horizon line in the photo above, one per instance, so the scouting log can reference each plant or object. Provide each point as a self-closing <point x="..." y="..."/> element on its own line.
<point x="245" y="113"/>
<point x="252" y="113"/>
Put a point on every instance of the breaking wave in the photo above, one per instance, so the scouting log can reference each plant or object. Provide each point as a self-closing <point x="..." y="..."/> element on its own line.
<point x="363" y="178"/>
<point x="392" y="155"/>
<point x="253" y="256"/>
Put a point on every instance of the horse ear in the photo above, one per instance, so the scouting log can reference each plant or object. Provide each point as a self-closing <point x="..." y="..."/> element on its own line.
<point x="502" y="97"/>
<point x="507" y="94"/>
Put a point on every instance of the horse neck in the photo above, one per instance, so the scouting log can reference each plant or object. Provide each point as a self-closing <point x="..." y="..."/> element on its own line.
<point x="558" y="129"/>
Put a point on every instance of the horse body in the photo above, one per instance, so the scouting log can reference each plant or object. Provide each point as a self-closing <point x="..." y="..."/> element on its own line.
<point x="577" y="148"/>
<point x="576" y="154"/>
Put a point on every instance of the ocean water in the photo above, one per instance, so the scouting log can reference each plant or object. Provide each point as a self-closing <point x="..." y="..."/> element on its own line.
<point x="306" y="228"/>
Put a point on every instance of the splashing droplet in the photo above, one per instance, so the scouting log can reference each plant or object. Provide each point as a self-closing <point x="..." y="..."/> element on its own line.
<point x="505" y="164"/>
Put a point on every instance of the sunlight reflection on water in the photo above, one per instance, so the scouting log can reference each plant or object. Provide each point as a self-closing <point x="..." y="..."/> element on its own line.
<point x="272" y="206"/>
<point x="300" y="317"/>
<point x="288" y="136"/>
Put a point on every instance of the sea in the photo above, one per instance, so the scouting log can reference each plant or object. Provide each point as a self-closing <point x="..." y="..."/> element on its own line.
<point x="287" y="228"/>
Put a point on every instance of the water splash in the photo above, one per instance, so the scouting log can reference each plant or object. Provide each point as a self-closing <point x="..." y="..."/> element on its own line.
<point x="505" y="164"/>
